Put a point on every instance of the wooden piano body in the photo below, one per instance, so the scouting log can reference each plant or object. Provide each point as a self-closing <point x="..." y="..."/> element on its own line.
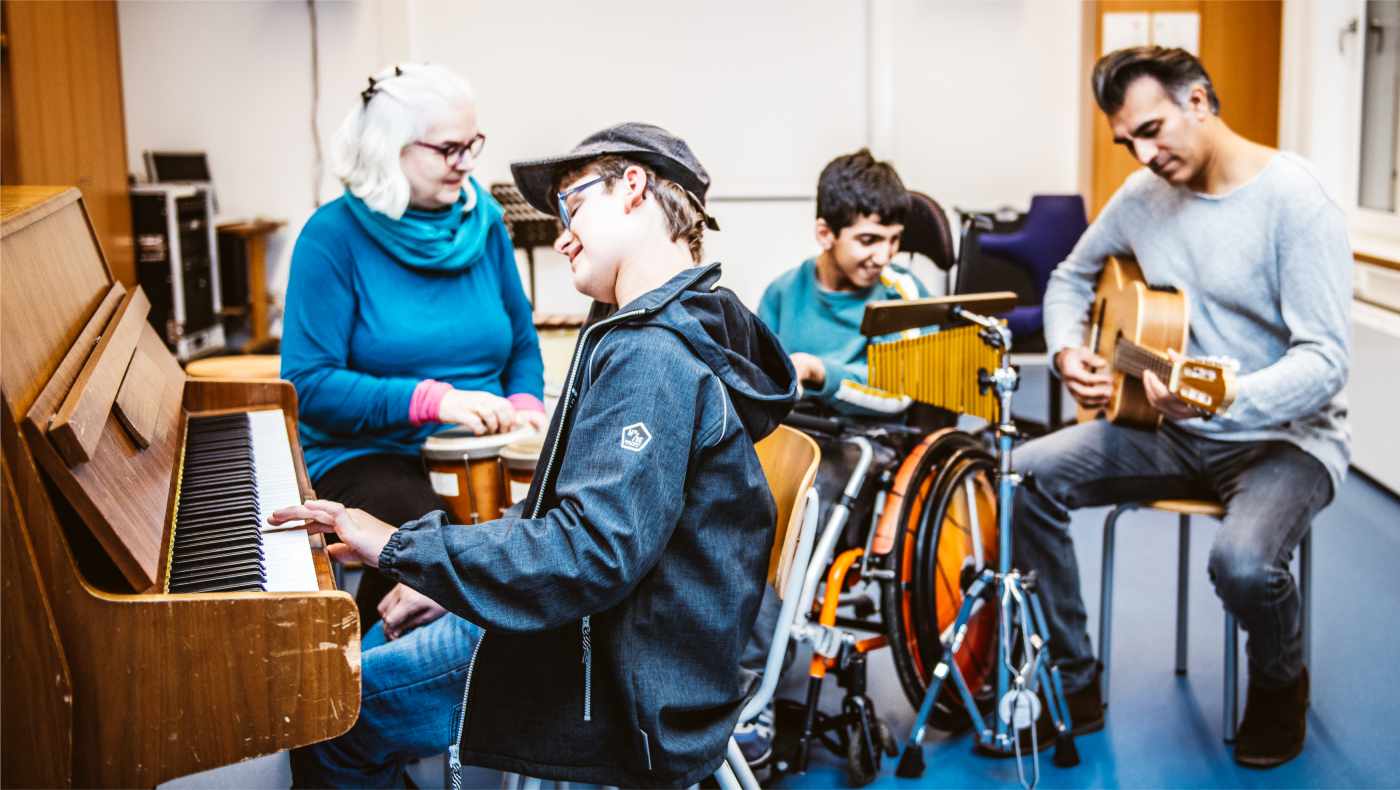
<point x="107" y="680"/>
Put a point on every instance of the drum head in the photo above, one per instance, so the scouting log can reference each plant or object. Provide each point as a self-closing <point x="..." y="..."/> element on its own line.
<point x="454" y="444"/>
<point x="524" y="454"/>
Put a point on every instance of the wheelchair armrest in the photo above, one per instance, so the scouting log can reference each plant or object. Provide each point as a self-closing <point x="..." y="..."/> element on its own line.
<point x="808" y="422"/>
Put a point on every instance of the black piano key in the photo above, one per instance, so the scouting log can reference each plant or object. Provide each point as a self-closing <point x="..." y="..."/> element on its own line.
<point x="206" y="528"/>
<point x="229" y="537"/>
<point x="204" y="508"/>
<point x="214" y="464"/>
<point x="218" y="536"/>
<point x="218" y="477"/>
<point x="210" y="566"/>
<point x="195" y="553"/>
<point x="223" y="570"/>
<point x="216" y="424"/>
<point x="189" y="536"/>
<point x="255" y="573"/>
<point x="212" y="529"/>
<point x="206" y="420"/>
<point x="243" y="583"/>
<point x="224" y="496"/>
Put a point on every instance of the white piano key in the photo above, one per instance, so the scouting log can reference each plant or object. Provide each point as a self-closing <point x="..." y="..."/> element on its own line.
<point x="287" y="561"/>
<point x="286" y="552"/>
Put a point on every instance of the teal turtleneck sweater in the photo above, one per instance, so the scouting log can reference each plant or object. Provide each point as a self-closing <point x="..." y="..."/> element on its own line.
<point x="377" y="305"/>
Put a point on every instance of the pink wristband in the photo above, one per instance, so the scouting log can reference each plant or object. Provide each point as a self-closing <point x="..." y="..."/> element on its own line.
<point x="524" y="401"/>
<point x="427" y="399"/>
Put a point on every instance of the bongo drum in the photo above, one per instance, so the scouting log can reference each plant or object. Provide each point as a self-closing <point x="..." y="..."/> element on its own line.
<point x="520" y="459"/>
<point x="465" y="470"/>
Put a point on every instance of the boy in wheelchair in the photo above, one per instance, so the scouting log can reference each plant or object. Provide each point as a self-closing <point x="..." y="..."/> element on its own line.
<point x="815" y="309"/>
<point x="872" y="443"/>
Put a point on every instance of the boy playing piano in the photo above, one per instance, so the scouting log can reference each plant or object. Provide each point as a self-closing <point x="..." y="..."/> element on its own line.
<point x="617" y="604"/>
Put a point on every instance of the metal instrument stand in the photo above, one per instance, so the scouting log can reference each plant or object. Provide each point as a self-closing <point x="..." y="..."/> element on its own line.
<point x="1021" y="618"/>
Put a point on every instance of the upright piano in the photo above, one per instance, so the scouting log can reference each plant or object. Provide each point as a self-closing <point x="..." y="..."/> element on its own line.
<point x="152" y="626"/>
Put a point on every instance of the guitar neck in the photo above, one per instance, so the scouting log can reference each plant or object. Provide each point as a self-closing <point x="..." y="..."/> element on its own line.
<point x="1133" y="359"/>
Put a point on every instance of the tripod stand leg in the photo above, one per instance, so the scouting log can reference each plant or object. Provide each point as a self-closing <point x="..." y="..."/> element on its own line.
<point x="1055" y="691"/>
<point x="911" y="762"/>
<point x="1066" y="753"/>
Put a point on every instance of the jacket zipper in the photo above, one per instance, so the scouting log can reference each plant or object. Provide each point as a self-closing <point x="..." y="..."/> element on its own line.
<point x="586" y="630"/>
<point x="455" y="750"/>
<point x="586" y="626"/>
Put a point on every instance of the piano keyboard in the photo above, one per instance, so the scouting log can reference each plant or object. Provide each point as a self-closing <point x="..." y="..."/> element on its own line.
<point x="237" y="470"/>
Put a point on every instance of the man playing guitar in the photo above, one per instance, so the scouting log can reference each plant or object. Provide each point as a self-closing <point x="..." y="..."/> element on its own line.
<point x="1261" y="252"/>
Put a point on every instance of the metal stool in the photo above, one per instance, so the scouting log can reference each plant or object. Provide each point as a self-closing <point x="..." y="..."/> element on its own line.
<point x="1185" y="509"/>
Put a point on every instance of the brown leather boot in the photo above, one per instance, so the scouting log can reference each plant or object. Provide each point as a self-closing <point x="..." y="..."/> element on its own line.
<point x="1086" y="706"/>
<point x="1275" y="724"/>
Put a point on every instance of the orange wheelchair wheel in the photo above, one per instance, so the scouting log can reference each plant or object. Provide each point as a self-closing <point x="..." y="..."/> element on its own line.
<point x="942" y="488"/>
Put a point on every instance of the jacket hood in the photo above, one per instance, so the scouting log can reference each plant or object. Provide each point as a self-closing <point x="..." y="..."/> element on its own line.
<point x="728" y="338"/>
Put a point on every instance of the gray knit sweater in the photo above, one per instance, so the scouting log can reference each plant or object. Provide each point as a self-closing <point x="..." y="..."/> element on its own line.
<point x="1267" y="272"/>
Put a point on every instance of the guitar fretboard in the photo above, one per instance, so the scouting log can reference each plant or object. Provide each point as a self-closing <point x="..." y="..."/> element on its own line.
<point x="1133" y="359"/>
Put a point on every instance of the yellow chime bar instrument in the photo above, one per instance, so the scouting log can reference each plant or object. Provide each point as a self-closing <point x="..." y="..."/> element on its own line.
<point x="939" y="368"/>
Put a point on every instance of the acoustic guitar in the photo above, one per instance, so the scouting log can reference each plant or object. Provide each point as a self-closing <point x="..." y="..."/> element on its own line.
<point x="1132" y="325"/>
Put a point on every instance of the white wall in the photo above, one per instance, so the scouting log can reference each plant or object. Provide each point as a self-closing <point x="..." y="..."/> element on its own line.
<point x="234" y="79"/>
<point x="987" y="99"/>
<point x="974" y="101"/>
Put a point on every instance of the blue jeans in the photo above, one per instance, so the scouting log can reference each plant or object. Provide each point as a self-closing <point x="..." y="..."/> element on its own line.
<point x="410" y="701"/>
<point x="1271" y="491"/>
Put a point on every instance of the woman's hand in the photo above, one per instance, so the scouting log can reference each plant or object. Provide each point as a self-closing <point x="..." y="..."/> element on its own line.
<point x="404" y="609"/>
<point x="362" y="536"/>
<point x="481" y="412"/>
<point x="534" y="420"/>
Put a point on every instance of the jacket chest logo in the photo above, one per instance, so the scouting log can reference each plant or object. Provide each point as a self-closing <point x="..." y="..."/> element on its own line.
<point x="635" y="437"/>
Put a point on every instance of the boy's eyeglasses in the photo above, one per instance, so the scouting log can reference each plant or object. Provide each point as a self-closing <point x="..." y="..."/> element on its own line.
<point x="452" y="153"/>
<point x="564" y="198"/>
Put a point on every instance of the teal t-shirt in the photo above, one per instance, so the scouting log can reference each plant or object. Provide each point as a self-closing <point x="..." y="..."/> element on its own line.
<point x="826" y="324"/>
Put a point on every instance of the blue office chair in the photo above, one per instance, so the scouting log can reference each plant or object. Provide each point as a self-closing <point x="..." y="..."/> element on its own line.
<point x="1045" y="237"/>
<point x="1051" y="229"/>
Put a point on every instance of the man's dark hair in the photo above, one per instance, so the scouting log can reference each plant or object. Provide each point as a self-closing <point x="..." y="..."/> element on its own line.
<point x="856" y="184"/>
<point x="1176" y="70"/>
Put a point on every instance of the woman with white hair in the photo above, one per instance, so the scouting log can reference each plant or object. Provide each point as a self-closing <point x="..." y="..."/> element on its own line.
<point x="405" y="313"/>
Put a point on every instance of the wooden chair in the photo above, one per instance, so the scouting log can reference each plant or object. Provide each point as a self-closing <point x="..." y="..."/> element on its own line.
<point x="1185" y="509"/>
<point x="789" y="458"/>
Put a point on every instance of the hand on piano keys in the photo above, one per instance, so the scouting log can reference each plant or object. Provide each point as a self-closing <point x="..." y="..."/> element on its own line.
<point x="362" y="536"/>
<point x="237" y="469"/>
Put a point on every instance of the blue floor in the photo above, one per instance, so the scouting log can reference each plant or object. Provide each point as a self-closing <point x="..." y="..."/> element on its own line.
<point x="1164" y="730"/>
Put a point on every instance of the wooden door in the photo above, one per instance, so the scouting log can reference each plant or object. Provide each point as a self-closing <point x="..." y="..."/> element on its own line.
<point x="64" y="123"/>
<point x="1241" y="44"/>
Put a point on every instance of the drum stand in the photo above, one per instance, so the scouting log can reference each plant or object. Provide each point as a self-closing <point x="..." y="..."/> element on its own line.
<point x="1022" y="635"/>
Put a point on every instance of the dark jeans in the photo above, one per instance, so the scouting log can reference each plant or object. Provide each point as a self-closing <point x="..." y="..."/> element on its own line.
<point x="393" y="489"/>
<point x="1271" y="491"/>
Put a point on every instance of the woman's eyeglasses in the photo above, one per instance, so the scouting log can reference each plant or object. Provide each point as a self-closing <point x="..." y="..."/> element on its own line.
<point x="452" y="153"/>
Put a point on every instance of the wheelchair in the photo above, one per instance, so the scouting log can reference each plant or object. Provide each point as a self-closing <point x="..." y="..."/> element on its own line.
<point x="908" y="520"/>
